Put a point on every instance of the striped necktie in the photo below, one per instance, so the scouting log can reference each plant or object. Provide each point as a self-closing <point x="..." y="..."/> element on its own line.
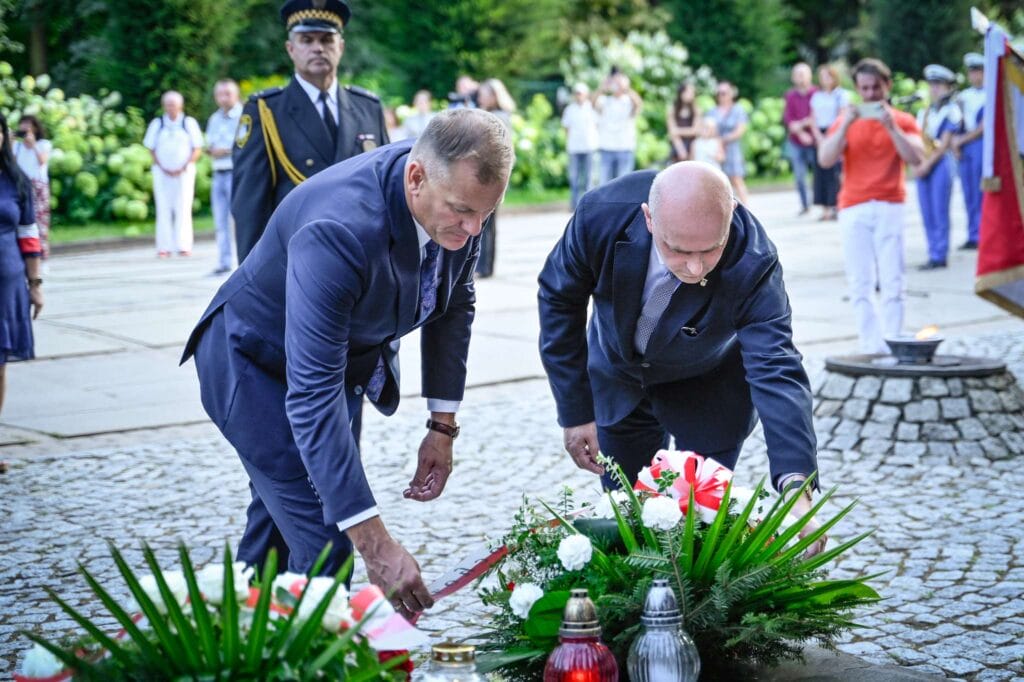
<point x="654" y="308"/>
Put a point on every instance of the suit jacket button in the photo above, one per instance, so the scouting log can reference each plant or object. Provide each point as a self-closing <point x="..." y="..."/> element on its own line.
<point x="309" y="163"/>
<point x="358" y="390"/>
<point x="645" y="365"/>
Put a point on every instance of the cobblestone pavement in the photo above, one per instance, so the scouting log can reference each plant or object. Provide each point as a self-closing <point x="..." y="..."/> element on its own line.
<point x="948" y="533"/>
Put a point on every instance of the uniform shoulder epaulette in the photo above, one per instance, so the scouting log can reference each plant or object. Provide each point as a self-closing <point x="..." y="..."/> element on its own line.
<point x="356" y="90"/>
<point x="263" y="94"/>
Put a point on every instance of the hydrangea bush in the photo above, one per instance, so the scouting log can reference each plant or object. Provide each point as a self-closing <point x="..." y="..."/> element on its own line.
<point x="99" y="169"/>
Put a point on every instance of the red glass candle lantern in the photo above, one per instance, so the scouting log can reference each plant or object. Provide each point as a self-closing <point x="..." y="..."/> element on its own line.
<point x="581" y="656"/>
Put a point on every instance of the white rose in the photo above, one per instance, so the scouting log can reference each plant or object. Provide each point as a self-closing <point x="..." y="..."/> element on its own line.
<point x="661" y="513"/>
<point x="523" y="598"/>
<point x="175" y="582"/>
<point x="338" y="610"/>
<point x="39" y="662"/>
<point x="575" y="552"/>
<point x="211" y="582"/>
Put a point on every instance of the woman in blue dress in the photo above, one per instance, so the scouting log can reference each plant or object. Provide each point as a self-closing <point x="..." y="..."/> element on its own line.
<point x="21" y="293"/>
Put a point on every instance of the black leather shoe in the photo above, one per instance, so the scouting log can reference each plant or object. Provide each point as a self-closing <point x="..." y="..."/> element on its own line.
<point x="969" y="246"/>
<point x="932" y="265"/>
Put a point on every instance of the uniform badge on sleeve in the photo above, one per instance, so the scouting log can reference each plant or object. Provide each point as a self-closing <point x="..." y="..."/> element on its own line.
<point x="244" y="129"/>
<point x="368" y="141"/>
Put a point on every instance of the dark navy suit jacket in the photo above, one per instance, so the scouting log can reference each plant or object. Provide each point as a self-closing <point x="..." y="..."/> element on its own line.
<point x="742" y="315"/>
<point x="329" y="289"/>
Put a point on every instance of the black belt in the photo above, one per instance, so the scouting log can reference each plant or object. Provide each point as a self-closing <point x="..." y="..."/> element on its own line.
<point x="224" y="170"/>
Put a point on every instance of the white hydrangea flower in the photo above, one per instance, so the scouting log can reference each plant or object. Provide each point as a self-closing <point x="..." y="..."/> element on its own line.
<point x="661" y="513"/>
<point x="211" y="582"/>
<point x="524" y="596"/>
<point x="175" y="582"/>
<point x="741" y="496"/>
<point x="575" y="552"/>
<point x="39" y="662"/>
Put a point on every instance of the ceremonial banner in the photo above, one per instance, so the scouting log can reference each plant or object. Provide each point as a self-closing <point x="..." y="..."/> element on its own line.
<point x="1000" y="273"/>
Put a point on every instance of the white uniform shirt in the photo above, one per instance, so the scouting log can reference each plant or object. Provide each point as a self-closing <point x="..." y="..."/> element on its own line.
<point x="313" y="93"/>
<point x="616" y="124"/>
<point x="580" y="121"/>
<point x="173" y="141"/>
<point x="933" y="121"/>
<point x="972" y="101"/>
<point x="220" y="134"/>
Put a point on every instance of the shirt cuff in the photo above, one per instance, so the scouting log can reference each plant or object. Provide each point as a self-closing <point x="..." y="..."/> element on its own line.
<point x="438" y="405"/>
<point x="345" y="524"/>
<point x="783" y="479"/>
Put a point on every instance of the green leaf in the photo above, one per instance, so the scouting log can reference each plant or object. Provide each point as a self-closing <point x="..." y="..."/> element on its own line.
<point x="230" y="635"/>
<point x="545" y="616"/>
<point x="105" y="641"/>
<point x="625" y="532"/>
<point x="490" y="661"/>
<point x="165" y="638"/>
<point x="689" y="530"/>
<point x="753" y="551"/>
<point x="70" y="661"/>
<point x="811" y="538"/>
<point x="710" y="544"/>
<point x="204" y="626"/>
<point x="261" y="614"/>
<point x="299" y="646"/>
<point x="186" y="635"/>
<point x="739" y="525"/>
<point x="823" y="558"/>
<point x="141" y="640"/>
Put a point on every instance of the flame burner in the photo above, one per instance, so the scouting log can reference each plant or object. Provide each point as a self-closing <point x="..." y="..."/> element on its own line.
<point x="917" y="407"/>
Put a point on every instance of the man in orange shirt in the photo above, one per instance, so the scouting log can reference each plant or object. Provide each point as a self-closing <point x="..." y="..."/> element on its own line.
<point x="873" y="141"/>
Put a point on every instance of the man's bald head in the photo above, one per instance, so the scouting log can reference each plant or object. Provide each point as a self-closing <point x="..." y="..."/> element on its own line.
<point x="688" y="213"/>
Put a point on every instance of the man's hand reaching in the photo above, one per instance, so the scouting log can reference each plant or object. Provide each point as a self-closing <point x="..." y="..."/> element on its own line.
<point x="433" y="470"/>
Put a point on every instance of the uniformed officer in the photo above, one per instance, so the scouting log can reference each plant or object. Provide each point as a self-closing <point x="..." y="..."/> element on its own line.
<point x="285" y="135"/>
<point x="968" y="145"/>
<point x="938" y="123"/>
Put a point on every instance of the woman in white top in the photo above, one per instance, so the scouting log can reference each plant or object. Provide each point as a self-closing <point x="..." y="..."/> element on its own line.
<point x="32" y="152"/>
<point x="826" y="103"/>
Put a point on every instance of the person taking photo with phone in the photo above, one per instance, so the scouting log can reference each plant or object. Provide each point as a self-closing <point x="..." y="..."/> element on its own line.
<point x="873" y="141"/>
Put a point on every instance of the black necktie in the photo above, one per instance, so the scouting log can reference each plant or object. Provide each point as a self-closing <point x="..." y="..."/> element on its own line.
<point x="332" y="126"/>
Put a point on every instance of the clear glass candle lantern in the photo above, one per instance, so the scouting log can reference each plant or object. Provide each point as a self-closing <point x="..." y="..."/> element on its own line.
<point x="581" y="656"/>
<point x="663" y="652"/>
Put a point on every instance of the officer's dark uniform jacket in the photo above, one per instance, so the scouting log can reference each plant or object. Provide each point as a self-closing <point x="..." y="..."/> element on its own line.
<point x="274" y="153"/>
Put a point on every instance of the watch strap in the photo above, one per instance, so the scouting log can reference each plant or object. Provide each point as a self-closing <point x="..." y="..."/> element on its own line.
<point x="451" y="430"/>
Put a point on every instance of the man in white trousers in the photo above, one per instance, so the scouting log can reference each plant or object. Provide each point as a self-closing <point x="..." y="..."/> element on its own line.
<point x="873" y="141"/>
<point x="175" y="141"/>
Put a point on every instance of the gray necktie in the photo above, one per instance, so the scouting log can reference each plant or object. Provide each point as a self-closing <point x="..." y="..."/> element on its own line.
<point x="652" y="311"/>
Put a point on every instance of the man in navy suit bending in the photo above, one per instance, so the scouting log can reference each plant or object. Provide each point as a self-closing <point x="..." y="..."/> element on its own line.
<point x="352" y="260"/>
<point x="690" y="333"/>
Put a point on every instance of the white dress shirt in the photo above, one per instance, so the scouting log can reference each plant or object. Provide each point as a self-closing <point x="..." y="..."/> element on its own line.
<point x="314" y="96"/>
<point x="220" y="134"/>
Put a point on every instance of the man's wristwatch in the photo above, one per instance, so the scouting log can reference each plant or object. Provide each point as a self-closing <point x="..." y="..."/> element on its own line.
<point x="451" y="430"/>
<point x="35" y="282"/>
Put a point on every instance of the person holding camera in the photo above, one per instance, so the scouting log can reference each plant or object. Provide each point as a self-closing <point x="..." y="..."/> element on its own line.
<point x="873" y="141"/>
<point x="32" y="152"/>
<point x="617" y="105"/>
